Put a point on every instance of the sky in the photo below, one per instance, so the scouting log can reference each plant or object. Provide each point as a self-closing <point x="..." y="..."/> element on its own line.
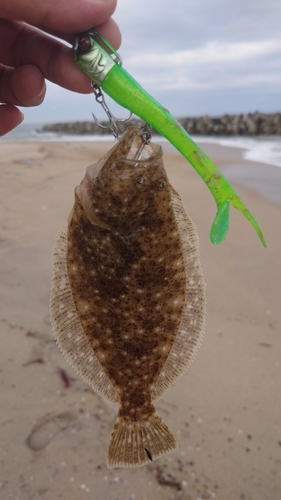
<point x="195" y="57"/>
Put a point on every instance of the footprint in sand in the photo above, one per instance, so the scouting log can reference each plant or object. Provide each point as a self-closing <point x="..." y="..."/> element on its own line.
<point x="47" y="428"/>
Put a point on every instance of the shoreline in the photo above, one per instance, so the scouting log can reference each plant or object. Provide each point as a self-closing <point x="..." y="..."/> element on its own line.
<point x="260" y="176"/>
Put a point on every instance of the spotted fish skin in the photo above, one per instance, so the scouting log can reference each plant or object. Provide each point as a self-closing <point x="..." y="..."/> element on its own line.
<point x="134" y="289"/>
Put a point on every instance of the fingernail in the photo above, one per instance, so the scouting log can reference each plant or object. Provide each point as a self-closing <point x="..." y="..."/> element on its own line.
<point x="21" y="116"/>
<point x="42" y="91"/>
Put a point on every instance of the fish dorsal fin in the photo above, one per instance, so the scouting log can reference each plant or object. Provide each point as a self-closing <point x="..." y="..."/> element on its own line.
<point x="68" y="331"/>
<point x="191" y="330"/>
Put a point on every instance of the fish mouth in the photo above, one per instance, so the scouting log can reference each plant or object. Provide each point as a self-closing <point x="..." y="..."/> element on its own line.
<point x="92" y="171"/>
<point x="128" y="154"/>
<point x="85" y="187"/>
<point x="135" y="153"/>
<point x="141" y="151"/>
<point x="121" y="180"/>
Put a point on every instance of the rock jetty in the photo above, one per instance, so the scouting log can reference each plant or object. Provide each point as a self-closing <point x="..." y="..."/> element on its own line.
<point x="228" y="125"/>
<point x="83" y="128"/>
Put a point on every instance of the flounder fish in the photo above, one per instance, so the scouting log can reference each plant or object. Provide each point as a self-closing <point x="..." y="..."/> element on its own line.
<point x="128" y="293"/>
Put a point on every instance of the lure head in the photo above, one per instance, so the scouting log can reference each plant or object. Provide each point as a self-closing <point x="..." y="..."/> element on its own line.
<point x="90" y="57"/>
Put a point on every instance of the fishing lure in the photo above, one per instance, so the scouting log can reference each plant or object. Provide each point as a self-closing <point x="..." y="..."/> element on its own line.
<point x="106" y="73"/>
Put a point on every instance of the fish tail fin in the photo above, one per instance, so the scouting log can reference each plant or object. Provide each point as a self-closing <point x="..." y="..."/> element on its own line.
<point x="136" y="443"/>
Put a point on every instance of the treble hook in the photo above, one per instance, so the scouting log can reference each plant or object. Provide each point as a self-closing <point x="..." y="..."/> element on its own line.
<point x="112" y="124"/>
<point x="145" y="139"/>
<point x="145" y="136"/>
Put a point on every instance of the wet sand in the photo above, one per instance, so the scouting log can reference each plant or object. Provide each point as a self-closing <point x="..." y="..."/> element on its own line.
<point x="225" y="411"/>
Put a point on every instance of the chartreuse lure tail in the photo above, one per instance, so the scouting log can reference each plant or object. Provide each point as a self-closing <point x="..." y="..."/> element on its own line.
<point x="106" y="72"/>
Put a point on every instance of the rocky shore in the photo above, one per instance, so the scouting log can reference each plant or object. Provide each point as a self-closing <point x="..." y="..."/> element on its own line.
<point x="228" y="125"/>
<point x="250" y="124"/>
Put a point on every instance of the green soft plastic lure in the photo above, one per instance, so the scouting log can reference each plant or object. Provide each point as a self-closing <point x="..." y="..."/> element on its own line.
<point x="106" y="72"/>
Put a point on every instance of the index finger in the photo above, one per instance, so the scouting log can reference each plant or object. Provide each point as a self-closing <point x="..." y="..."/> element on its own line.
<point x="26" y="45"/>
<point x="60" y="15"/>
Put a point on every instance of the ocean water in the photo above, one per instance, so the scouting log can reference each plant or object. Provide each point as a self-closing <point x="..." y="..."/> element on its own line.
<point x="263" y="149"/>
<point x="31" y="133"/>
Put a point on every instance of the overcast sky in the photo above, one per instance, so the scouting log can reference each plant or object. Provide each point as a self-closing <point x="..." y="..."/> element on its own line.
<point x="194" y="56"/>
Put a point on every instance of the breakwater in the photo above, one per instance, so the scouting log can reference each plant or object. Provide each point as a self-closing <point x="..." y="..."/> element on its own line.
<point x="250" y="124"/>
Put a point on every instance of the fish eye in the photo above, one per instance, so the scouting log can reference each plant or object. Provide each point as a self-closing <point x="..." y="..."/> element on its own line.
<point x="162" y="183"/>
<point x="141" y="180"/>
<point x="84" y="43"/>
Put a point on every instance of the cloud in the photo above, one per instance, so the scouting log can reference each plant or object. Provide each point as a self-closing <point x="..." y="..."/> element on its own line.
<point x="213" y="65"/>
<point x="202" y="45"/>
<point x="212" y="52"/>
<point x="164" y="25"/>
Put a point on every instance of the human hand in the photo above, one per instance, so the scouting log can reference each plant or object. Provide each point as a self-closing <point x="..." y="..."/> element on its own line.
<point x="28" y="54"/>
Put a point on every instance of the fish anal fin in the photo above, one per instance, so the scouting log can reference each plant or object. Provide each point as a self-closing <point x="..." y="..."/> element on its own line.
<point x="68" y="331"/>
<point x="136" y="443"/>
<point x="191" y="329"/>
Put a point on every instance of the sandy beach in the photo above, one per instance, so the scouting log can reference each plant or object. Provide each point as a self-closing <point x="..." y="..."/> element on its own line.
<point x="225" y="411"/>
